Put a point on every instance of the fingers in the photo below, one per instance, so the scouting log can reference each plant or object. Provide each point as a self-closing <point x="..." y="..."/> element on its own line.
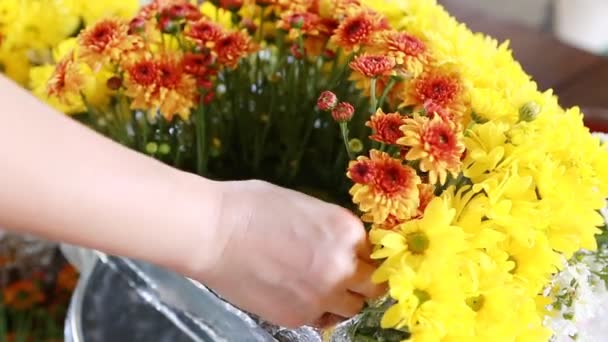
<point x="327" y="320"/>
<point x="361" y="282"/>
<point x="346" y="304"/>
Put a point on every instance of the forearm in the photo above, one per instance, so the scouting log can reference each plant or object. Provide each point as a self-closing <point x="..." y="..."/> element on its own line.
<point x="62" y="181"/>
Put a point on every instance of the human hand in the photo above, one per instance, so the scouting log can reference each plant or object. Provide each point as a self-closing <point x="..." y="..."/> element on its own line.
<point x="288" y="257"/>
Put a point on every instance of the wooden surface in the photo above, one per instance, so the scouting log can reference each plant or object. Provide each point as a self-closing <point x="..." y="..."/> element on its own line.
<point x="578" y="77"/>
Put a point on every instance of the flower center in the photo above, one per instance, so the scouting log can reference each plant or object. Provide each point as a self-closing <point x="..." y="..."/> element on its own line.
<point x="417" y="243"/>
<point x="514" y="269"/>
<point x="476" y="303"/>
<point x="422" y="296"/>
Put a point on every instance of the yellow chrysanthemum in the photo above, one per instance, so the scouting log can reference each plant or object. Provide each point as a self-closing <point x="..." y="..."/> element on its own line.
<point x="431" y="239"/>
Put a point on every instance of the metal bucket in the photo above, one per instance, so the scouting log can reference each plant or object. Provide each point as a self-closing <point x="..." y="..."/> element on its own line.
<point x="119" y="299"/>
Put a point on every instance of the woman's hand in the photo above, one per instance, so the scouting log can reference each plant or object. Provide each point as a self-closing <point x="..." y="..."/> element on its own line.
<point x="288" y="257"/>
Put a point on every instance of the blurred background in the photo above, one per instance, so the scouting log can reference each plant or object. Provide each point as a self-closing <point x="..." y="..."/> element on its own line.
<point x="577" y="22"/>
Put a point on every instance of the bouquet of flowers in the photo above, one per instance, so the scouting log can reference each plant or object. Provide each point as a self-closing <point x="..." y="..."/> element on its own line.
<point x="477" y="188"/>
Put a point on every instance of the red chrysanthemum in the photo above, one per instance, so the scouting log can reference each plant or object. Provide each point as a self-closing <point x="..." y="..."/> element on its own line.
<point x="197" y="64"/>
<point x="357" y="30"/>
<point x="204" y="33"/>
<point x="231" y="5"/>
<point x="436" y="143"/>
<point x="440" y="89"/>
<point x="232" y="47"/>
<point x="373" y="66"/>
<point x="386" y="128"/>
<point x="106" y="41"/>
<point x="183" y="10"/>
<point x="143" y="73"/>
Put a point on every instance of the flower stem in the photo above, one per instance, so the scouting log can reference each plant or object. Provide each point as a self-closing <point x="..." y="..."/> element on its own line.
<point x="374" y="100"/>
<point x="344" y="130"/>
<point x="388" y="88"/>
<point x="201" y="140"/>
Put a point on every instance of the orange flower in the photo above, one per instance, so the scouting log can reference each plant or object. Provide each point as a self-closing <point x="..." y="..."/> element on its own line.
<point x="437" y="143"/>
<point x="67" y="81"/>
<point x="358" y="30"/>
<point x="22" y="295"/>
<point x="383" y="187"/>
<point x="106" y="41"/>
<point x="204" y="33"/>
<point x="67" y="278"/>
<point x="373" y="66"/>
<point x="409" y="52"/>
<point x="386" y="127"/>
<point x="176" y="88"/>
<point x="232" y="47"/>
<point x="161" y="85"/>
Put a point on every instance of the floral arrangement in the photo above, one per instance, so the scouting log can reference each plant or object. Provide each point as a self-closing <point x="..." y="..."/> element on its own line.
<point x="480" y="192"/>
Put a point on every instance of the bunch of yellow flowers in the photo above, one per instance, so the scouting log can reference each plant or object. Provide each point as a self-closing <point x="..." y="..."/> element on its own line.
<point x="30" y="29"/>
<point x="469" y="258"/>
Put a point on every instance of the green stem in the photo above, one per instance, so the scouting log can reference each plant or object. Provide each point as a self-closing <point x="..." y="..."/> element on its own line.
<point x="388" y="88"/>
<point x="373" y="99"/>
<point x="201" y="140"/>
<point x="344" y="130"/>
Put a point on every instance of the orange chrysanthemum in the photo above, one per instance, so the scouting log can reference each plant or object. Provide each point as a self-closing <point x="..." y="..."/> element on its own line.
<point x="437" y="143"/>
<point x="204" y="33"/>
<point x="373" y="66"/>
<point x="232" y="47"/>
<point x="437" y="92"/>
<point x="106" y="41"/>
<point x="389" y="187"/>
<point x="409" y="52"/>
<point x="358" y="30"/>
<point x="161" y="85"/>
<point x="22" y="295"/>
<point x="67" y="80"/>
<point x="386" y="127"/>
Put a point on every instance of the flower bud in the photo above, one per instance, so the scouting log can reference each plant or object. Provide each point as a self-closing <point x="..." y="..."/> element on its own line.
<point x="167" y="25"/>
<point x="151" y="148"/>
<point x="529" y="112"/>
<point x="327" y="101"/>
<point x="297" y="52"/>
<point x="355" y="145"/>
<point x="114" y="83"/>
<point x="164" y="149"/>
<point x="329" y="54"/>
<point x="297" y="21"/>
<point x="343" y="112"/>
<point x="137" y="25"/>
